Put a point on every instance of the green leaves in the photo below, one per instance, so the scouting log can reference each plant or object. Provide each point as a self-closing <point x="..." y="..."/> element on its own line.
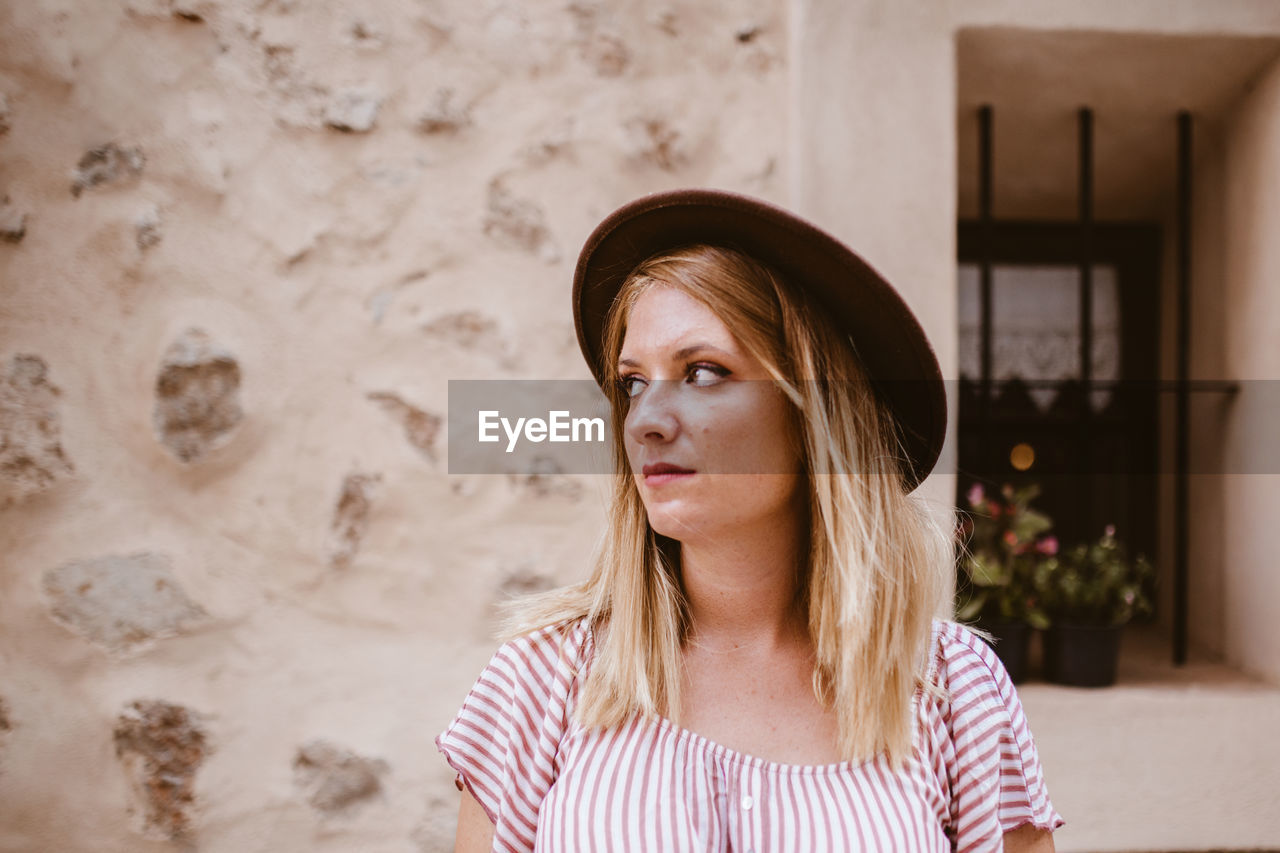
<point x="1097" y="583"/>
<point x="1038" y="619"/>
<point x="1001" y="540"/>
<point x="1012" y="569"/>
<point x="987" y="570"/>
<point x="1029" y="525"/>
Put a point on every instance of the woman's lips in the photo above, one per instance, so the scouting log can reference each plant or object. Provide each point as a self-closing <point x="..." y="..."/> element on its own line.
<point x="662" y="473"/>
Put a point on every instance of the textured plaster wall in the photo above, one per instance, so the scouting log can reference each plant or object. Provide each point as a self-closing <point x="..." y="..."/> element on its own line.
<point x="1251" y="301"/>
<point x="1234" y="310"/>
<point x="243" y="247"/>
<point x="877" y="163"/>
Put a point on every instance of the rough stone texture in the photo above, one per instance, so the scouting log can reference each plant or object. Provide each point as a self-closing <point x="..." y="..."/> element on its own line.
<point x="335" y="779"/>
<point x="31" y="455"/>
<point x="554" y="143"/>
<point x="608" y="54"/>
<point x="432" y="833"/>
<point x="516" y="583"/>
<point x="518" y="222"/>
<point x="13" y="222"/>
<point x="366" y="34"/>
<point x="147" y="228"/>
<point x="106" y="164"/>
<point x="329" y="264"/>
<point x="351" y="517"/>
<point x="548" y="480"/>
<point x="655" y="142"/>
<point x="120" y="602"/>
<point x="523" y="580"/>
<point x="352" y="111"/>
<point x="161" y="747"/>
<point x="443" y="114"/>
<point x="187" y="10"/>
<point x="466" y="329"/>
<point x="197" y="396"/>
<point x="601" y="48"/>
<point x="420" y="427"/>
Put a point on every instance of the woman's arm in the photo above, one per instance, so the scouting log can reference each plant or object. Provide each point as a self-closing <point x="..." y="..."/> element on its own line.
<point x="1027" y="838"/>
<point x="475" y="830"/>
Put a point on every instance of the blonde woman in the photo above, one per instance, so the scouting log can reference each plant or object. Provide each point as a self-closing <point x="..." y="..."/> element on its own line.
<point x="755" y="662"/>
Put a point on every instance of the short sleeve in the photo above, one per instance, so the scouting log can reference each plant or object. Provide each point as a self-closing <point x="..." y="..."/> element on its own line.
<point x="993" y="769"/>
<point x="504" y="742"/>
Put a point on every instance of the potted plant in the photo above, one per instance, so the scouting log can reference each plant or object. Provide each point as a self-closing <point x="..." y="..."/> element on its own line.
<point x="1091" y="592"/>
<point x="1002" y="540"/>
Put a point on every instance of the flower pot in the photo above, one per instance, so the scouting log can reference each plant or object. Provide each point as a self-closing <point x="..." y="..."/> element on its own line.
<point x="1082" y="655"/>
<point x="1011" y="642"/>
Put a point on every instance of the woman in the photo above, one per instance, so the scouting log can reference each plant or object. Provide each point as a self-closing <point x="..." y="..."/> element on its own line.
<point x="754" y="662"/>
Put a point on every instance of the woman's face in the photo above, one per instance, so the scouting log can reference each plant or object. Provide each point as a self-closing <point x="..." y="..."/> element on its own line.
<point x="707" y="433"/>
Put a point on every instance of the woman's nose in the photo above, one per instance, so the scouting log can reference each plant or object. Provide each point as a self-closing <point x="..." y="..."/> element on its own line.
<point x="652" y="415"/>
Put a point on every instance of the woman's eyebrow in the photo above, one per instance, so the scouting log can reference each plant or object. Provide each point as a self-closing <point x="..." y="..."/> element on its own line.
<point x="679" y="355"/>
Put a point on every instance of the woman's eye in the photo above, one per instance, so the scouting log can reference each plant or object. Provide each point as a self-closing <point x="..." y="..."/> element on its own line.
<point x="631" y="385"/>
<point x="706" y="374"/>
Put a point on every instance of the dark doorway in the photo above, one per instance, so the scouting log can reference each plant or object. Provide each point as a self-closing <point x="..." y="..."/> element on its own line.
<point x="1092" y="450"/>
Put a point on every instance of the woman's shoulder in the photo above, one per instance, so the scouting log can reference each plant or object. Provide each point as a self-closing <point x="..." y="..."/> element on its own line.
<point x="530" y="684"/>
<point x="957" y="638"/>
<point x="504" y="742"/>
<point x="547" y="657"/>
<point x="983" y="742"/>
<point x="963" y="663"/>
<point x="569" y="636"/>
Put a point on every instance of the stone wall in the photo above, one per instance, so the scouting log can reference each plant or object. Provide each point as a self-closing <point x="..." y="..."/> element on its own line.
<point x="243" y="246"/>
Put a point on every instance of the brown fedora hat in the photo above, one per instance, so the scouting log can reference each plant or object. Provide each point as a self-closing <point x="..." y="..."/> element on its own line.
<point x="886" y="335"/>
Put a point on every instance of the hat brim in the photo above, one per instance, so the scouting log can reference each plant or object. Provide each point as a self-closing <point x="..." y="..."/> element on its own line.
<point x="887" y="337"/>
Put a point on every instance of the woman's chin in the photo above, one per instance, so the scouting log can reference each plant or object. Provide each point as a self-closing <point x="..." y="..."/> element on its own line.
<point x="688" y="523"/>
<point x="671" y="522"/>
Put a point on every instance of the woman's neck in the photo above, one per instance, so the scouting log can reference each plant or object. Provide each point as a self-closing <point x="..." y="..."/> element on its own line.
<point x="741" y="585"/>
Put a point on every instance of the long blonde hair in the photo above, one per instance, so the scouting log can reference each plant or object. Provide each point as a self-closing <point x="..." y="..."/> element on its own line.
<point x="878" y="566"/>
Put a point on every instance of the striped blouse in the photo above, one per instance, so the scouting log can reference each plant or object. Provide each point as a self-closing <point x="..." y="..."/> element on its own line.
<point x="549" y="784"/>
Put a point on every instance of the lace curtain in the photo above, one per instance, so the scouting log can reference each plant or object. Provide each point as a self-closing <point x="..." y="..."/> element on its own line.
<point x="1035" y="328"/>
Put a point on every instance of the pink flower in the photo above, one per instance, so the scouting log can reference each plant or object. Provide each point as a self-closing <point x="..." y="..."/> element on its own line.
<point x="1010" y="538"/>
<point x="1110" y="530"/>
<point x="1048" y="545"/>
<point x="975" y="495"/>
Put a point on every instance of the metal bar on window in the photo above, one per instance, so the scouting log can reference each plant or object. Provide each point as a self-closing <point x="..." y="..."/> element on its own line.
<point x="984" y="268"/>
<point x="1086" y="282"/>
<point x="1181" y="514"/>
